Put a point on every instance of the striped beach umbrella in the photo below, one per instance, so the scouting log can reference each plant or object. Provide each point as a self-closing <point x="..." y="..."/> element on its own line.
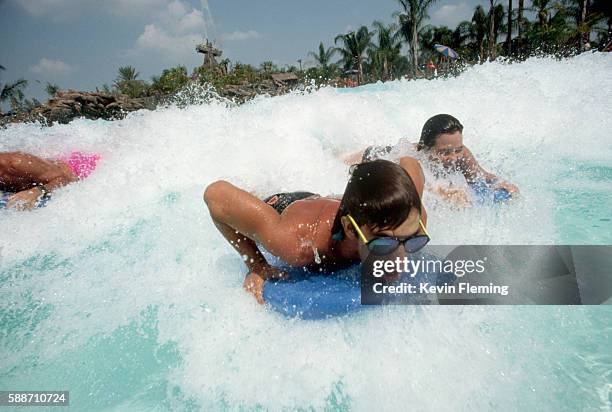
<point x="446" y="51"/>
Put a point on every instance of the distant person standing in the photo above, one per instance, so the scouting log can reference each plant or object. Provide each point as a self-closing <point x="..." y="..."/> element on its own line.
<point x="431" y="67"/>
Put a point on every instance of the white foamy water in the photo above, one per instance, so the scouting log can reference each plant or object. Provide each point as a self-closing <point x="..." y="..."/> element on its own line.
<point x="122" y="291"/>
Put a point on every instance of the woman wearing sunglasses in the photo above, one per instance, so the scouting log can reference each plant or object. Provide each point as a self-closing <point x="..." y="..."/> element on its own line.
<point x="380" y="211"/>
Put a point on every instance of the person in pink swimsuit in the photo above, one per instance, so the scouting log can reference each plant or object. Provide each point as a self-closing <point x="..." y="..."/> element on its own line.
<point x="27" y="181"/>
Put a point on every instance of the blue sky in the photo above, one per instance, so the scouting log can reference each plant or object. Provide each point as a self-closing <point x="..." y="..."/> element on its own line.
<point x="80" y="44"/>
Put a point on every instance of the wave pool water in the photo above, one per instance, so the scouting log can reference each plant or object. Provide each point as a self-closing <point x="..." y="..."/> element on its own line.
<point x="122" y="291"/>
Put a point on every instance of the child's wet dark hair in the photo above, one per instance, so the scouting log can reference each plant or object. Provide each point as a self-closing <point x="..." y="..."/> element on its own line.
<point x="435" y="126"/>
<point x="379" y="194"/>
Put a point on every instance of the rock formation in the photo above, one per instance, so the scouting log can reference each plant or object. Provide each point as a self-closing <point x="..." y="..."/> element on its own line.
<point x="68" y="105"/>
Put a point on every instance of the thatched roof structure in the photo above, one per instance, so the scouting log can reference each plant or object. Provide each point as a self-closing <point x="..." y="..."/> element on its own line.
<point x="284" y="79"/>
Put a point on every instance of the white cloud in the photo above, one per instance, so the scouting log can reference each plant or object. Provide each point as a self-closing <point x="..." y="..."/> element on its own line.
<point x="173" y="33"/>
<point x="51" y="67"/>
<point x="158" y="40"/>
<point x="452" y="14"/>
<point x="240" y="35"/>
<point x="191" y="21"/>
<point x="177" y="18"/>
<point x="174" y="28"/>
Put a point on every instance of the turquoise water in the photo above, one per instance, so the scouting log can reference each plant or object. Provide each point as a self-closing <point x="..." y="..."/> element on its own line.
<point x="122" y="292"/>
<point x="585" y="222"/>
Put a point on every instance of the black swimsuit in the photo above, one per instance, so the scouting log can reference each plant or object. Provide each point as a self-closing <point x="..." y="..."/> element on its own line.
<point x="374" y="152"/>
<point x="281" y="201"/>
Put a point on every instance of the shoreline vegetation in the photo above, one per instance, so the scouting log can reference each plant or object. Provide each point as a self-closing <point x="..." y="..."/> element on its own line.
<point x="404" y="49"/>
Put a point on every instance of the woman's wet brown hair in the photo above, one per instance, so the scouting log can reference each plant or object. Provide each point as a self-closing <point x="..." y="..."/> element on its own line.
<point x="379" y="194"/>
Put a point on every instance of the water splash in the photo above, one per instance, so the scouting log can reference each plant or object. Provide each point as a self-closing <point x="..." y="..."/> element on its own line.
<point x="127" y="264"/>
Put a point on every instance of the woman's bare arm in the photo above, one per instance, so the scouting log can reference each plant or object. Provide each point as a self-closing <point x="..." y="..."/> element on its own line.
<point x="353" y="158"/>
<point x="413" y="167"/>
<point x="245" y="220"/>
<point x="472" y="171"/>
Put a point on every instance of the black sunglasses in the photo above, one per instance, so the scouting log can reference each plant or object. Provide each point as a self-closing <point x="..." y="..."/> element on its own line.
<point x="387" y="244"/>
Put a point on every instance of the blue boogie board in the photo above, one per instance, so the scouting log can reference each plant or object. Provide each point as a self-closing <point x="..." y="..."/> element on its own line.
<point x="4" y="197"/>
<point x="311" y="295"/>
<point x="484" y="193"/>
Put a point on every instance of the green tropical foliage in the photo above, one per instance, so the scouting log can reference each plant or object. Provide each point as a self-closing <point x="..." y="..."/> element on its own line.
<point x="377" y="53"/>
<point x="13" y="93"/>
<point x="354" y="47"/>
<point x="323" y="58"/>
<point x="236" y="74"/>
<point x="170" y="81"/>
<point x="269" y="67"/>
<point x="480" y="25"/>
<point x="51" y="89"/>
<point x="127" y="82"/>
<point x="126" y="74"/>
<point x="496" y="27"/>
<point x="411" y="18"/>
<point x="385" y="55"/>
<point x="325" y="70"/>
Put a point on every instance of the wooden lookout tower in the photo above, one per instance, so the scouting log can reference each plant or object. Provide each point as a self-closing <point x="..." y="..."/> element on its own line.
<point x="210" y="53"/>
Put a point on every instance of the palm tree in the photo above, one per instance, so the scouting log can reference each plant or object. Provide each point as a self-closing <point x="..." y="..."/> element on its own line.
<point x="462" y="32"/>
<point x="411" y="18"/>
<point x="551" y="30"/>
<point x="126" y="74"/>
<point x="269" y="67"/>
<point x="586" y="15"/>
<point x="224" y="64"/>
<point x="479" y="25"/>
<point x="603" y="9"/>
<point x="519" y="23"/>
<point x="495" y="23"/>
<point x="582" y="26"/>
<point x="127" y="82"/>
<point x="171" y="80"/>
<point x="51" y="89"/>
<point x="542" y="10"/>
<point x="433" y="35"/>
<point x="499" y="14"/>
<point x="323" y="56"/>
<point x="354" y="45"/>
<point x="13" y="93"/>
<point x="509" y="36"/>
<point x="492" y="30"/>
<point x="387" y="51"/>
